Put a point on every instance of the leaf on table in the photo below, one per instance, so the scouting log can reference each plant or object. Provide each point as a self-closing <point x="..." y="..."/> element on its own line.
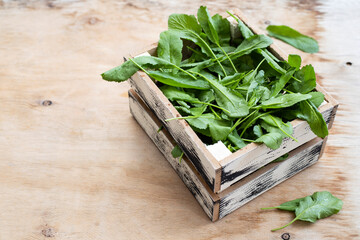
<point x="293" y="38"/>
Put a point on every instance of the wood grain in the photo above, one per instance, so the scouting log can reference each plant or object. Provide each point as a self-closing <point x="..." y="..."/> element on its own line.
<point x="219" y="205"/>
<point x="81" y="168"/>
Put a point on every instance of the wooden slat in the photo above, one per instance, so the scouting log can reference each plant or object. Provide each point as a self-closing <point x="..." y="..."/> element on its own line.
<point x="217" y="206"/>
<point x="165" y="144"/>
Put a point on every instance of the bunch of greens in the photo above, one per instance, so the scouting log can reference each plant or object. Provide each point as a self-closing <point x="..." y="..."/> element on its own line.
<point x="311" y="208"/>
<point x="229" y="89"/>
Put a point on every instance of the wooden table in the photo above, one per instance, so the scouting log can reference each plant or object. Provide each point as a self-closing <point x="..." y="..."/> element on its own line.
<point x="74" y="164"/>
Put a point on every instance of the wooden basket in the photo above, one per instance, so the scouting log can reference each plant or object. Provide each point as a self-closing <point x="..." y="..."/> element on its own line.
<point x="220" y="175"/>
<point x="218" y="205"/>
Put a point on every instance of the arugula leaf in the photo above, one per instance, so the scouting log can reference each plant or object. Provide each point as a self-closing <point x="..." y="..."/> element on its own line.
<point x="287" y="206"/>
<point x="312" y="208"/>
<point x="284" y="101"/>
<point x="187" y="27"/>
<point x="307" y="78"/>
<point x="272" y="140"/>
<point x="169" y="47"/>
<point x="293" y="38"/>
<point x="222" y="27"/>
<point x="219" y="129"/>
<point x="126" y="70"/>
<point x="294" y="61"/>
<point x="311" y="114"/>
<point x="258" y="131"/>
<point x="236" y="140"/>
<point x="280" y="84"/>
<point x="173" y="93"/>
<point x="317" y="98"/>
<point x="281" y="158"/>
<point x="228" y="99"/>
<point x="179" y="80"/>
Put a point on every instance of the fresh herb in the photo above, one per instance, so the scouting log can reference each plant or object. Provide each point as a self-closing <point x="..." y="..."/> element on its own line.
<point x="311" y="208"/>
<point x="294" y="38"/>
<point x="228" y="89"/>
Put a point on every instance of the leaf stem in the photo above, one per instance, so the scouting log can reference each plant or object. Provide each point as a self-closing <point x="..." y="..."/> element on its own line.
<point x="232" y="64"/>
<point x="214" y="112"/>
<point x="239" y="121"/>
<point x="275" y="229"/>
<point x="140" y="67"/>
<point x="186" y="117"/>
<point x="212" y="105"/>
<point x="268" y="208"/>
<point x="283" y="130"/>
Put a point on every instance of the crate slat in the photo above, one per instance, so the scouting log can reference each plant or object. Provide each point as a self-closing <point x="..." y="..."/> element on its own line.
<point x="218" y="205"/>
<point x="220" y="175"/>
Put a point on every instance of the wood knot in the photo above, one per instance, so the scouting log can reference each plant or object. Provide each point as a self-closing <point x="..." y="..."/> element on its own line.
<point x="267" y="22"/>
<point x="48" y="232"/>
<point x="285" y="236"/>
<point x="349" y="63"/>
<point x="93" y="20"/>
<point x="46" y="103"/>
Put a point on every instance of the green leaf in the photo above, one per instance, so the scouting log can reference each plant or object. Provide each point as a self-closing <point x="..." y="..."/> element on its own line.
<point x="272" y="140"/>
<point x="294" y="61"/>
<point x="126" y="70"/>
<point x="207" y="24"/>
<point x="222" y="27"/>
<point x="228" y="99"/>
<point x="179" y="80"/>
<point x="235" y="139"/>
<point x="177" y="152"/>
<point x="287" y="206"/>
<point x="173" y="93"/>
<point x="308" y="80"/>
<point x="219" y="129"/>
<point x="317" y="98"/>
<point x="258" y="131"/>
<point x="317" y="206"/>
<point x="294" y="38"/>
<point x="311" y="114"/>
<point x="169" y="47"/>
<point x="280" y="84"/>
<point x="281" y="158"/>
<point x="284" y="101"/>
<point x="187" y="27"/>
<point x="250" y="44"/>
<point x="275" y="124"/>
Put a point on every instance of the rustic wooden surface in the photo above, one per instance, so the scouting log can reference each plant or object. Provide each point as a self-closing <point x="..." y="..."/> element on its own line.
<point x="74" y="164"/>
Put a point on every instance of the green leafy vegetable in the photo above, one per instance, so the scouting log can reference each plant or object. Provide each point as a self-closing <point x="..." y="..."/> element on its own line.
<point x="294" y="38"/>
<point x="311" y="208"/>
<point x="169" y="47"/>
<point x="228" y="89"/>
<point x="177" y="153"/>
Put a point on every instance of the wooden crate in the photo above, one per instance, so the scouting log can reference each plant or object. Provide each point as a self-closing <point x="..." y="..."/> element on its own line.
<point x="221" y="174"/>
<point x="218" y="205"/>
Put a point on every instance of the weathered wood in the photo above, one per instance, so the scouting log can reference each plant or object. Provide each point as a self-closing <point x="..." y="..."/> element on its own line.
<point x="241" y="163"/>
<point x="82" y="168"/>
<point x="217" y="206"/>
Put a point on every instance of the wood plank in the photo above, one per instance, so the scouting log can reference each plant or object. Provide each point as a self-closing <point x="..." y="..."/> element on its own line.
<point x="82" y="168"/>
<point x="217" y="206"/>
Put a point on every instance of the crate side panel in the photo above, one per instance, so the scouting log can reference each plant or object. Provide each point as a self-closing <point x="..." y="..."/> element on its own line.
<point x="165" y="145"/>
<point x="252" y="189"/>
<point x="184" y="136"/>
<point x="244" y="164"/>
